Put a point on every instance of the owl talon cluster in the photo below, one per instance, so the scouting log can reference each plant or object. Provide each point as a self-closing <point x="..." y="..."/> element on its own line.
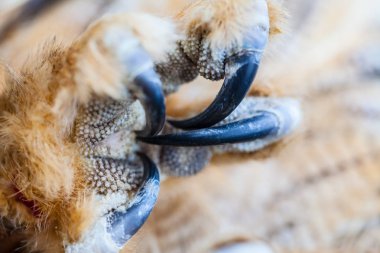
<point x="182" y="147"/>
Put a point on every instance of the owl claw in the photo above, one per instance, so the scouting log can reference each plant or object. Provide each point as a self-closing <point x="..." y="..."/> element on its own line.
<point x="241" y="70"/>
<point x="259" y="126"/>
<point x="265" y="124"/>
<point x="241" y="66"/>
<point x="123" y="225"/>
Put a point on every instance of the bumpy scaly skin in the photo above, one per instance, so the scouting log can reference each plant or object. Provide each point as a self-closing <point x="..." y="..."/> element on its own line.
<point x="191" y="57"/>
<point x="105" y="122"/>
<point x="184" y="161"/>
<point x="102" y="124"/>
<point x="177" y="69"/>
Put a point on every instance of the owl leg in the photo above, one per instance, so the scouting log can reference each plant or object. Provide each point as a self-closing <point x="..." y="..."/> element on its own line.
<point x="224" y="39"/>
<point x="116" y="66"/>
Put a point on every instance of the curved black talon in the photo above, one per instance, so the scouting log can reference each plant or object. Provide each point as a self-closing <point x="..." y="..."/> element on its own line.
<point x="123" y="225"/>
<point x="153" y="100"/>
<point x="258" y="126"/>
<point x="241" y="70"/>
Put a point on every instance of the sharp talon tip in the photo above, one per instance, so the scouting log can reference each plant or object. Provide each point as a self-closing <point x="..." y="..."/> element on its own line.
<point x="288" y="113"/>
<point x="123" y="225"/>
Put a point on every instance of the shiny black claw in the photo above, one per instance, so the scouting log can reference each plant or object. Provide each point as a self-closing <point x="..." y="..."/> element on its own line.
<point x="123" y="225"/>
<point x="259" y="126"/>
<point x="153" y="100"/>
<point x="241" y="70"/>
<point x="145" y="85"/>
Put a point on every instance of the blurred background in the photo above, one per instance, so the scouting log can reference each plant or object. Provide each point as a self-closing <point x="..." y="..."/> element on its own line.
<point x="319" y="191"/>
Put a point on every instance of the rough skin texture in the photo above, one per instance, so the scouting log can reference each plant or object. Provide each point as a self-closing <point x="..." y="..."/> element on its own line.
<point x="107" y="166"/>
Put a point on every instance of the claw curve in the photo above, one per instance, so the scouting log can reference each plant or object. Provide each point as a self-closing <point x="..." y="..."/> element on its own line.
<point x="145" y="85"/>
<point x="153" y="100"/>
<point x="123" y="225"/>
<point x="258" y="126"/>
<point x="241" y="67"/>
